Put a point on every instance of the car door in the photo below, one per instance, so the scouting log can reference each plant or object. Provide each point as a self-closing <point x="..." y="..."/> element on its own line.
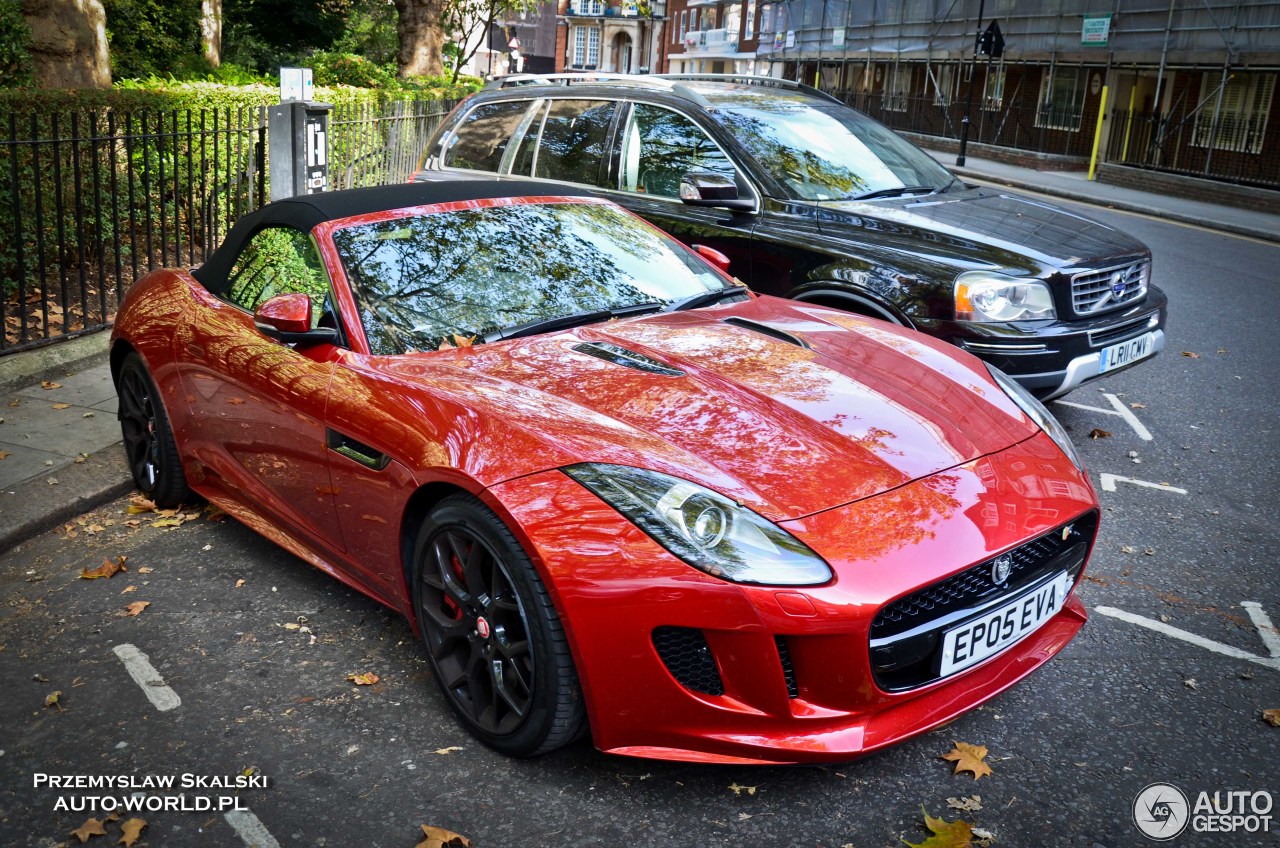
<point x="260" y="404"/>
<point x="654" y="148"/>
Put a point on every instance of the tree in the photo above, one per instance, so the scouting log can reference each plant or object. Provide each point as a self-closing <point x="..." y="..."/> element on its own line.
<point x="421" y="52"/>
<point x="211" y="31"/>
<point x="68" y="43"/>
<point x="469" y="23"/>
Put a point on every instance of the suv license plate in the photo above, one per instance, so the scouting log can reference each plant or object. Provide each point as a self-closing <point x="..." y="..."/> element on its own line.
<point x="1122" y="354"/>
<point x="997" y="629"/>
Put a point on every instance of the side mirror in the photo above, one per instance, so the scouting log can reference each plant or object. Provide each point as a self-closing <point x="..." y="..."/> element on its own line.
<point x="708" y="188"/>
<point x="713" y="256"/>
<point x="287" y="318"/>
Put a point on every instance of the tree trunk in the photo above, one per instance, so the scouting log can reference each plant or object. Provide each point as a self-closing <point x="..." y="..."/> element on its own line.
<point x="68" y="43"/>
<point x="421" y="38"/>
<point x="211" y="30"/>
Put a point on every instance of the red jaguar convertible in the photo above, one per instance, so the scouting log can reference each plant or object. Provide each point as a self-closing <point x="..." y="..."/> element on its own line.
<point x="614" y="491"/>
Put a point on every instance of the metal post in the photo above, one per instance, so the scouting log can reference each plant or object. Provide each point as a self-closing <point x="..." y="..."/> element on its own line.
<point x="1217" y="115"/>
<point x="968" y="101"/>
<point x="1164" y="55"/>
<point x="1097" y="134"/>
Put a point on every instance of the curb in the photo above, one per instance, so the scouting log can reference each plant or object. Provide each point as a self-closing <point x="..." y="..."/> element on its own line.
<point x="26" y="510"/>
<point x="1082" y="197"/>
<point x="19" y="370"/>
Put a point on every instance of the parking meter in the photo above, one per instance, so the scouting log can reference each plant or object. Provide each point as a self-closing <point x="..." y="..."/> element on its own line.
<point x="299" y="162"/>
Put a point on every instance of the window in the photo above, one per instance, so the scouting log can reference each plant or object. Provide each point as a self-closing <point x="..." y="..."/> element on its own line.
<point x="572" y="145"/>
<point x="660" y="146"/>
<point x="1242" y="121"/>
<point x="586" y="46"/>
<point x="684" y="23"/>
<point x="590" y="7"/>
<point x="1061" y="98"/>
<point x="278" y="260"/>
<point x="993" y="87"/>
<point x="749" y="21"/>
<point x="480" y="140"/>
<point x="940" y="84"/>
<point x="897" y="89"/>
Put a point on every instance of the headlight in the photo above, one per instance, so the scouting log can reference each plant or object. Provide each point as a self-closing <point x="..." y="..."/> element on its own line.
<point x="1038" y="412"/>
<point x="704" y="528"/>
<point x="984" y="296"/>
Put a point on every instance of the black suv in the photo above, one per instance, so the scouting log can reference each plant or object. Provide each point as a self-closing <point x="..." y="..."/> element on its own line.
<point x="812" y="200"/>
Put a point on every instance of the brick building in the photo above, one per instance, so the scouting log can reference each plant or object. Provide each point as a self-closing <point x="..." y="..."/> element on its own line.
<point x="712" y="36"/>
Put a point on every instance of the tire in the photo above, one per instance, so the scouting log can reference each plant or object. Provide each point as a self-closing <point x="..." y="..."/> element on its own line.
<point x="493" y="638"/>
<point x="149" y="447"/>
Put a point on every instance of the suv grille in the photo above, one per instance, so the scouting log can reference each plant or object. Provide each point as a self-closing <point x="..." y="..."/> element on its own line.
<point x="905" y="649"/>
<point x="1110" y="288"/>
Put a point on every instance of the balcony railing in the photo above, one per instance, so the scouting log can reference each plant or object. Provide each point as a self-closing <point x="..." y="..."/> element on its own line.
<point x="712" y="41"/>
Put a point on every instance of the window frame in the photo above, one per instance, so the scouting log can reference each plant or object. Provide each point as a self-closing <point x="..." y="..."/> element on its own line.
<point x="1256" y="86"/>
<point x="1048" y="111"/>
<point x="330" y="301"/>
<point x="994" y="103"/>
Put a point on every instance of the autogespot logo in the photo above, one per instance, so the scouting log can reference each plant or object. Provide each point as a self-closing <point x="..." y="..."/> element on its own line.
<point x="1160" y="811"/>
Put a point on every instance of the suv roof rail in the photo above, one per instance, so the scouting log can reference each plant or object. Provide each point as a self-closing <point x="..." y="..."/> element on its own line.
<point x="594" y="78"/>
<point x="752" y="79"/>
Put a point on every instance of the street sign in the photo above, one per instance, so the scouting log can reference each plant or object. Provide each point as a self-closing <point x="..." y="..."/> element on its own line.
<point x="991" y="42"/>
<point x="837" y="37"/>
<point x="1096" y="31"/>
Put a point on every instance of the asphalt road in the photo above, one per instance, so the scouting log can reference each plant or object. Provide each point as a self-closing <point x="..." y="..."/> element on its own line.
<point x="260" y="667"/>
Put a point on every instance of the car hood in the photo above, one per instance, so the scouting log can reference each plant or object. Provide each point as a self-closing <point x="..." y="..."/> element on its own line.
<point x="791" y="409"/>
<point x="994" y="228"/>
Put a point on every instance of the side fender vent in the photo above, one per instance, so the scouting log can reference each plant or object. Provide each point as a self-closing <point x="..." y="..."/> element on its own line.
<point x="686" y="654"/>
<point x="766" y="330"/>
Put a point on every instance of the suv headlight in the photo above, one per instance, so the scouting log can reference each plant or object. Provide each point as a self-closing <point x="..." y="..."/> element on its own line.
<point x="704" y="528"/>
<point x="986" y="296"/>
<point x="1038" y="413"/>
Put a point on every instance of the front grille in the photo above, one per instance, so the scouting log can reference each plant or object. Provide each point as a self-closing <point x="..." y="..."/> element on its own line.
<point x="788" y="670"/>
<point x="1118" y="332"/>
<point x="1093" y="292"/>
<point x="906" y="633"/>
<point x="686" y="654"/>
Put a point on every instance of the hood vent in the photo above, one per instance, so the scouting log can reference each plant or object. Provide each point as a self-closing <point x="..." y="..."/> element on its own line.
<point x="766" y="330"/>
<point x="626" y="358"/>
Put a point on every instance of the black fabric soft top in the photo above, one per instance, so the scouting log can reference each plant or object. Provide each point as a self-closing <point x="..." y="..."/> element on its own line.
<point x="307" y="211"/>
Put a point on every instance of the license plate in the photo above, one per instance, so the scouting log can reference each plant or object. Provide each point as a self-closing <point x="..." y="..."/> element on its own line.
<point x="1119" y="355"/>
<point x="997" y="629"/>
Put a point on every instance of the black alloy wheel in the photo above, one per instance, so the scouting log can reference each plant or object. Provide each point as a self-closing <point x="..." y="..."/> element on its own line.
<point x="493" y="637"/>
<point x="148" y="440"/>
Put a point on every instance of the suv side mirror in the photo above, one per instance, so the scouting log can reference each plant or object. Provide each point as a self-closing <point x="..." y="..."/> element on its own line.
<point x="708" y="188"/>
<point x="287" y="318"/>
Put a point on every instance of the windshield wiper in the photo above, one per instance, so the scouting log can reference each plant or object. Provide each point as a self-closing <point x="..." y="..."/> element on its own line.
<point x="707" y="298"/>
<point x="562" y="322"/>
<point x="896" y="192"/>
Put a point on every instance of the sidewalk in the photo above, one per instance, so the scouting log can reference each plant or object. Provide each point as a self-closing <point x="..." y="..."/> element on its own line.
<point x="61" y="445"/>
<point x="1075" y="185"/>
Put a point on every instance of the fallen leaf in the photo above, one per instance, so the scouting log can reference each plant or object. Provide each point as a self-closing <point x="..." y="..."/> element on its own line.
<point x="51" y="700"/>
<point x="1099" y="433"/>
<point x="1190" y="354"/>
<point x="1136" y="405"/>
<point x="138" y="505"/>
<point x="107" y="569"/>
<point x="167" y="522"/>
<point x="444" y="345"/>
<point x="135" y="608"/>
<point x="463" y="341"/>
<point x="983" y="833"/>
<point x="127" y="589"/>
<point x="62" y="406"/>
<point x="968" y="758"/>
<point x="368" y="678"/>
<point x="4" y="454"/>
<point x="213" y="513"/>
<point x="1191" y="684"/>
<point x="956" y="834"/>
<point x="91" y="827"/>
<point x="130" y="830"/>
<point x="291" y="626"/>
<point x="239" y="583"/>
<point x="146" y="569"/>
<point x="438" y="837"/>
<point x="1271" y="717"/>
<point x="453" y="748"/>
<point x="968" y="804"/>
<point x="1128" y="549"/>
<point x="738" y="790"/>
<point x="49" y="384"/>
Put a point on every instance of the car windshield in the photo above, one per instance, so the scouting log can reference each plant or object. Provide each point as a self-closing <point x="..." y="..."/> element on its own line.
<point x="825" y="151"/>
<point x="424" y="280"/>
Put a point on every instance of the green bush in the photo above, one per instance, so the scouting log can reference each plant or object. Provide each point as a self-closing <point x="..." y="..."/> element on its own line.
<point x="15" y="45"/>
<point x="333" y="68"/>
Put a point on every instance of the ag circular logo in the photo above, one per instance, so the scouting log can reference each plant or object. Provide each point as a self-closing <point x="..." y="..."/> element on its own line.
<point x="1161" y="811"/>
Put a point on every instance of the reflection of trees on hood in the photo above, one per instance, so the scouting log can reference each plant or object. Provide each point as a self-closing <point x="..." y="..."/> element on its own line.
<point x="754" y="121"/>
<point x="425" y="278"/>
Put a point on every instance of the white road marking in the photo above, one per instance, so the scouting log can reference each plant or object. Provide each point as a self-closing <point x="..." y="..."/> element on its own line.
<point x="250" y="829"/>
<point x="1191" y="638"/>
<point x="1262" y="621"/>
<point x="1109" y="484"/>
<point x="146" y="676"/>
<point x="1119" y="410"/>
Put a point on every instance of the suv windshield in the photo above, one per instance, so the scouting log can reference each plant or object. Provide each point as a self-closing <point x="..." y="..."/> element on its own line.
<point x="824" y="151"/>
<point x="422" y="279"/>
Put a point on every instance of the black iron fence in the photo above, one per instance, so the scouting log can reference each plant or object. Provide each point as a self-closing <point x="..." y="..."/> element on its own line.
<point x="91" y="201"/>
<point x="1234" y="148"/>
